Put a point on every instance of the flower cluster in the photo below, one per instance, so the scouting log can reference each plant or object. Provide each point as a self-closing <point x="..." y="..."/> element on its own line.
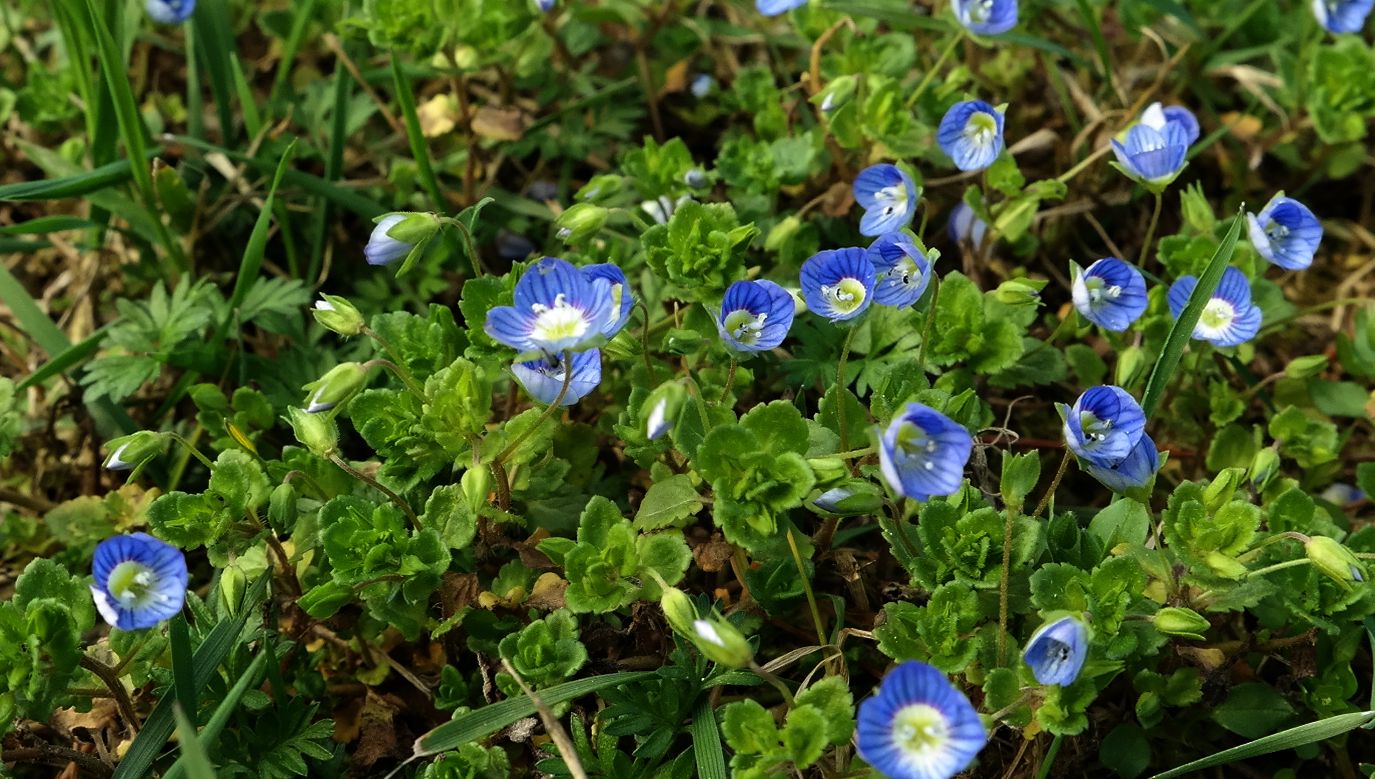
<point x="559" y="315"/>
<point x="1106" y="430"/>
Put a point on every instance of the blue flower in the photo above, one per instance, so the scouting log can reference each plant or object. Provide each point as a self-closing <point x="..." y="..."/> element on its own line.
<point x="1158" y="118"/>
<point x="1104" y="425"/>
<point x="1342" y="16"/>
<point x="546" y="6"/>
<point x="986" y="17"/>
<point x="657" y="423"/>
<point x="971" y="134"/>
<point x="621" y="298"/>
<point x="776" y="7"/>
<point x="903" y="270"/>
<point x="1229" y="318"/>
<point x="1285" y="232"/>
<point x="965" y="226"/>
<point x="557" y="308"/>
<point x="382" y="249"/>
<point x="1134" y="471"/>
<point x="543" y="377"/>
<point x="888" y="197"/>
<point x="1150" y="156"/>
<point x="1057" y="650"/>
<point x="838" y="283"/>
<point x="1110" y="294"/>
<point x="701" y="85"/>
<point x="170" y="11"/>
<point x="918" y="725"/>
<point x="755" y="316"/>
<point x="923" y="452"/>
<point x="139" y="581"/>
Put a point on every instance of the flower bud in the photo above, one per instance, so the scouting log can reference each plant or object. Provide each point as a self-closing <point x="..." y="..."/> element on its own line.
<point x="476" y="484"/>
<point x="281" y="506"/>
<point x="338" y="385"/>
<point x="580" y="222"/>
<point x="1335" y="561"/>
<point x="681" y="341"/>
<point x="853" y="498"/>
<point x="782" y="233"/>
<point x="1221" y="489"/>
<point x="131" y="451"/>
<point x="1306" y="367"/>
<point x="1265" y="465"/>
<point x="231" y="588"/>
<point x="661" y="408"/>
<point x="828" y="470"/>
<point x="338" y="315"/>
<point x="1182" y="623"/>
<point x="601" y="187"/>
<point x="837" y="93"/>
<point x="701" y="85"/>
<point x="1020" y="292"/>
<point x="317" y="433"/>
<point x="397" y="234"/>
<point x="1198" y="213"/>
<point x="696" y="179"/>
<point x="679" y="610"/>
<point x="721" y="642"/>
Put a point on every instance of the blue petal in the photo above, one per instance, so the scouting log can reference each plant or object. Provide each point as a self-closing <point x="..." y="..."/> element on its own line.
<point x="964" y="226"/>
<point x="827" y="269"/>
<point x="1001" y="17"/>
<point x="915" y="683"/>
<point x="1184" y="118"/>
<point x="1348" y="16"/>
<point x="925" y="473"/>
<point x="619" y="288"/>
<point x="170" y="11"/>
<point x="874" y="178"/>
<point x="510" y="327"/>
<point x="888" y="253"/>
<point x="1111" y="313"/>
<point x="1057" y="650"/>
<point x="776" y="7"/>
<point x="965" y="152"/>
<point x="1234" y="288"/>
<point x="1179" y="294"/>
<point x="1135" y="470"/>
<point x="1122" y="425"/>
<point x="543" y="378"/>
<point x="546" y="281"/>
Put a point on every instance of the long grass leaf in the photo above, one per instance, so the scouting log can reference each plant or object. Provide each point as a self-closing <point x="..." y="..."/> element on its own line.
<point x="252" y="261"/>
<point x="1285" y="739"/>
<point x="300" y="20"/>
<point x="334" y="167"/>
<point x="419" y="149"/>
<point x="706" y="742"/>
<point x="75" y="185"/>
<point x="1183" y="328"/>
<point x="211" y="732"/>
<point x="64" y="361"/>
<point x="32" y="319"/>
<point x="193" y="755"/>
<point x="47" y="224"/>
<point x="214" y="43"/>
<point x="159" y="725"/>
<point x="489" y="719"/>
<point x="183" y="666"/>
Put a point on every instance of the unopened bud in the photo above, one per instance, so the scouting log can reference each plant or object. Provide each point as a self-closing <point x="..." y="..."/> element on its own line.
<point x="131" y="451"/>
<point x="335" y="387"/>
<point x="1131" y="362"/>
<point x="837" y="93"/>
<point x="580" y="222"/>
<point x="1265" y="465"/>
<point x="679" y="610"/>
<point x="721" y="642"/>
<point x="1306" y="367"/>
<point x="661" y="408"/>
<point x="1335" y="561"/>
<point x="1221" y="489"/>
<point x="853" y="498"/>
<point x="782" y="233"/>
<point x="1182" y="623"/>
<point x="476" y="485"/>
<point x="601" y="187"/>
<point x="1020" y="292"/>
<point x="338" y="315"/>
<point x="317" y="433"/>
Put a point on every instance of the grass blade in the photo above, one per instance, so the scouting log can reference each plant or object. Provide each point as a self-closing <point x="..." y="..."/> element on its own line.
<point x="334" y="167"/>
<point x="415" y="135"/>
<point x="65" y="360"/>
<point x="252" y="261"/>
<point x="76" y="185"/>
<point x="214" y="42"/>
<point x="193" y="754"/>
<point x="47" y="224"/>
<point x="1183" y="328"/>
<point x="489" y="719"/>
<point x="32" y="319"/>
<point x="706" y="742"/>
<point x="1285" y="739"/>
<point x="300" y="20"/>
<point x="158" y="728"/>
<point x="211" y="732"/>
<point x="183" y="674"/>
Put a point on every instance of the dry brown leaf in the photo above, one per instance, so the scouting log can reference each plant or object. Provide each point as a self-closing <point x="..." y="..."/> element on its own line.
<point x="500" y="124"/>
<point x="438" y="115"/>
<point x="547" y="594"/>
<point x="103" y="714"/>
<point x="675" y="78"/>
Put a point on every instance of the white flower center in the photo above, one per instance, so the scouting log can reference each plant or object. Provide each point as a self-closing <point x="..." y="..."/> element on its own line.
<point x="981" y="129"/>
<point x="744" y="326"/>
<point x="1099" y="290"/>
<point x="1275" y="231"/>
<point x="906" y="273"/>
<point x="891" y="198"/>
<point x="132" y="585"/>
<point x="557" y="322"/>
<point x="920" y="732"/>
<point x="1217" y="315"/>
<point x="1095" y="429"/>
<point x="846" y="296"/>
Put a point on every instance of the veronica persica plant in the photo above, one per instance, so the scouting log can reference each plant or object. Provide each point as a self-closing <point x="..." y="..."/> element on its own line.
<point x="903" y="269"/>
<point x="1057" y="650"/>
<point x="139" y="581"/>
<point x="544" y="377"/>
<point x="971" y="134"/>
<point x="1285" y="232"/>
<point x="838" y="283"/>
<point x="755" y="316"/>
<point x="1104" y="425"/>
<point x="170" y="11"/>
<point x="918" y="725"/>
<point x="1229" y="318"/>
<point x="1110" y="293"/>
<point x="986" y="17"/>
<point x="923" y="453"/>
<point x="557" y="308"/>
<point x="888" y="197"/>
<point x="1150" y="156"/>
<point x="1342" y="16"/>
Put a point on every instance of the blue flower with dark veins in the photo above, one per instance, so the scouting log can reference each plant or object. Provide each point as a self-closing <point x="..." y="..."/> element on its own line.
<point x="557" y="308"/>
<point x="1229" y="318"/>
<point x="986" y="17"/>
<point x="139" y="581"/>
<point x="1134" y="471"/>
<point x="903" y="269"/>
<point x="170" y="11"/>
<point x="544" y="377"/>
<point x="923" y="452"/>
<point x="971" y="134"/>
<point x="838" y="283"/>
<point x="888" y="197"/>
<point x="918" y="725"/>
<point x="1110" y="294"/>
<point x="1285" y="232"/>
<point x="1057" y="650"/>
<point x="1342" y="16"/>
<point x="755" y="316"/>
<point x="1104" y="425"/>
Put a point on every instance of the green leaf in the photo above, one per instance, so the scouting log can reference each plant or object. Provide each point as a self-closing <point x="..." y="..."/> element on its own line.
<point x="668" y="503"/>
<point x="1309" y="733"/>
<point x="748" y="728"/>
<point x="448" y="513"/>
<point x="706" y="742"/>
<point x="1123" y="522"/>
<point x="831" y="696"/>
<point x="239" y="480"/>
<point x="1253" y="709"/>
<point x="1183" y="328"/>
<point x="1126" y="750"/>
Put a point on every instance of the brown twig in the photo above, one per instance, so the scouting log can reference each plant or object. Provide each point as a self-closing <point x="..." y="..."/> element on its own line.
<point x="57" y="756"/>
<point x="107" y="676"/>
